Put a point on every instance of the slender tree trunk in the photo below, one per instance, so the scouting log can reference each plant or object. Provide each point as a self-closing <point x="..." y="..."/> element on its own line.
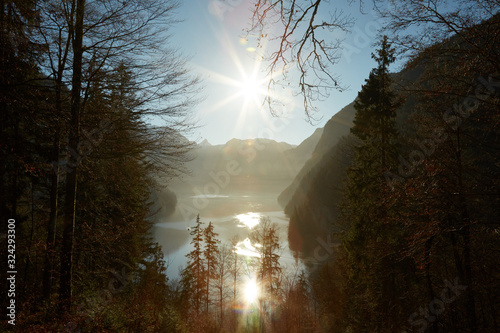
<point x="208" y="285"/>
<point x="51" y="227"/>
<point x="221" y="304"/>
<point x="54" y="157"/>
<point x="430" y="289"/>
<point x="14" y="187"/>
<point x="492" y="312"/>
<point x="3" y="111"/>
<point x="456" y="256"/>
<point x="235" y="277"/>
<point x="71" y="178"/>
<point x="29" y="261"/>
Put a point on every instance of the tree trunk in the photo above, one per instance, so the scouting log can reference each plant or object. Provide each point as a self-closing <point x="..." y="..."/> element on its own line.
<point x="208" y="285"/>
<point x="71" y="179"/>
<point x="3" y="111"/>
<point x="221" y="302"/>
<point x="430" y="289"/>
<point x="51" y="227"/>
<point x="469" y="292"/>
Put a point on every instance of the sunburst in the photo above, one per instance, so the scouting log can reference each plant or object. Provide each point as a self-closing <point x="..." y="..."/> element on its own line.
<point x="247" y="85"/>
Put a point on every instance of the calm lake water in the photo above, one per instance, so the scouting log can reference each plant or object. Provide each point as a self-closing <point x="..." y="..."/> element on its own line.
<point x="231" y="216"/>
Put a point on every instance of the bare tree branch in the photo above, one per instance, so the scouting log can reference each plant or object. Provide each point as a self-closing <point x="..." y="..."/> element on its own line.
<point x="302" y="45"/>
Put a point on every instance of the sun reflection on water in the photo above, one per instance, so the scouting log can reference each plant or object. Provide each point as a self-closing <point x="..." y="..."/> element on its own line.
<point x="246" y="248"/>
<point x="249" y="220"/>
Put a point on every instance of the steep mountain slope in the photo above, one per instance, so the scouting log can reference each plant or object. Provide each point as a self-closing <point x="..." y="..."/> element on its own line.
<point x="304" y="151"/>
<point x="338" y="126"/>
<point x="313" y="208"/>
<point x="312" y="199"/>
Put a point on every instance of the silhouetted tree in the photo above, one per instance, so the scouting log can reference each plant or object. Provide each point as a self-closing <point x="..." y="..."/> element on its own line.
<point x="196" y="265"/>
<point x="368" y="206"/>
<point x="210" y="253"/>
<point x="222" y="276"/>
<point x="269" y="269"/>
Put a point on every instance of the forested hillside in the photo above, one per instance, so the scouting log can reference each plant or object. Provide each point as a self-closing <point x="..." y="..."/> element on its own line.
<point x="409" y="200"/>
<point x="307" y="201"/>
<point x="78" y="160"/>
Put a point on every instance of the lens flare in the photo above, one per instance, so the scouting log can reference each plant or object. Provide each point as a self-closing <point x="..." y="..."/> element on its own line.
<point x="251" y="291"/>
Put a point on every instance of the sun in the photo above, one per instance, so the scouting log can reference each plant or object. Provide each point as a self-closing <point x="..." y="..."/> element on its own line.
<point x="251" y="291"/>
<point x="251" y="88"/>
<point x="245" y="87"/>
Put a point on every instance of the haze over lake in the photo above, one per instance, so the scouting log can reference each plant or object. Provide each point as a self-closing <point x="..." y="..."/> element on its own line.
<point x="233" y="186"/>
<point x="231" y="215"/>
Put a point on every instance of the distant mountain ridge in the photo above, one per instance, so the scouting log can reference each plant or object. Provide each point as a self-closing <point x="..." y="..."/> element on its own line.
<point x="256" y="165"/>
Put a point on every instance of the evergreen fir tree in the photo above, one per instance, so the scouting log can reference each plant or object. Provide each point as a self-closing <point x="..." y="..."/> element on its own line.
<point x="196" y="265"/>
<point x="376" y="106"/>
<point x="269" y="267"/>
<point x="210" y="253"/>
<point x="367" y="207"/>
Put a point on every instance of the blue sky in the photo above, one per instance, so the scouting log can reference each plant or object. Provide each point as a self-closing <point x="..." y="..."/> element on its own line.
<point x="211" y="35"/>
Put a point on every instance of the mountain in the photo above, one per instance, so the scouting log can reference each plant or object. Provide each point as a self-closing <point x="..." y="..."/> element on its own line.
<point x="205" y="143"/>
<point x="298" y="155"/>
<point x="244" y="166"/>
<point x="338" y="126"/>
<point x="313" y="197"/>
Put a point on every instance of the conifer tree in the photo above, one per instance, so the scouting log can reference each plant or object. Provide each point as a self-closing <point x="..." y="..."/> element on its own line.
<point x="211" y="254"/>
<point x="196" y="265"/>
<point x="376" y="105"/>
<point x="367" y="207"/>
<point x="234" y="267"/>
<point x="266" y="234"/>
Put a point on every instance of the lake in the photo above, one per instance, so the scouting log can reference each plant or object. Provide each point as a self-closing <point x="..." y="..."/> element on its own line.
<point x="231" y="215"/>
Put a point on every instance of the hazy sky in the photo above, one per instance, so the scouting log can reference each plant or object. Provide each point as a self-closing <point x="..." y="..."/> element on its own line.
<point x="211" y="34"/>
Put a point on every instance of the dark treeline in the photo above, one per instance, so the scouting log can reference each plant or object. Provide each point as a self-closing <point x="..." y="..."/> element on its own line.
<point x="414" y="190"/>
<point x="78" y="161"/>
